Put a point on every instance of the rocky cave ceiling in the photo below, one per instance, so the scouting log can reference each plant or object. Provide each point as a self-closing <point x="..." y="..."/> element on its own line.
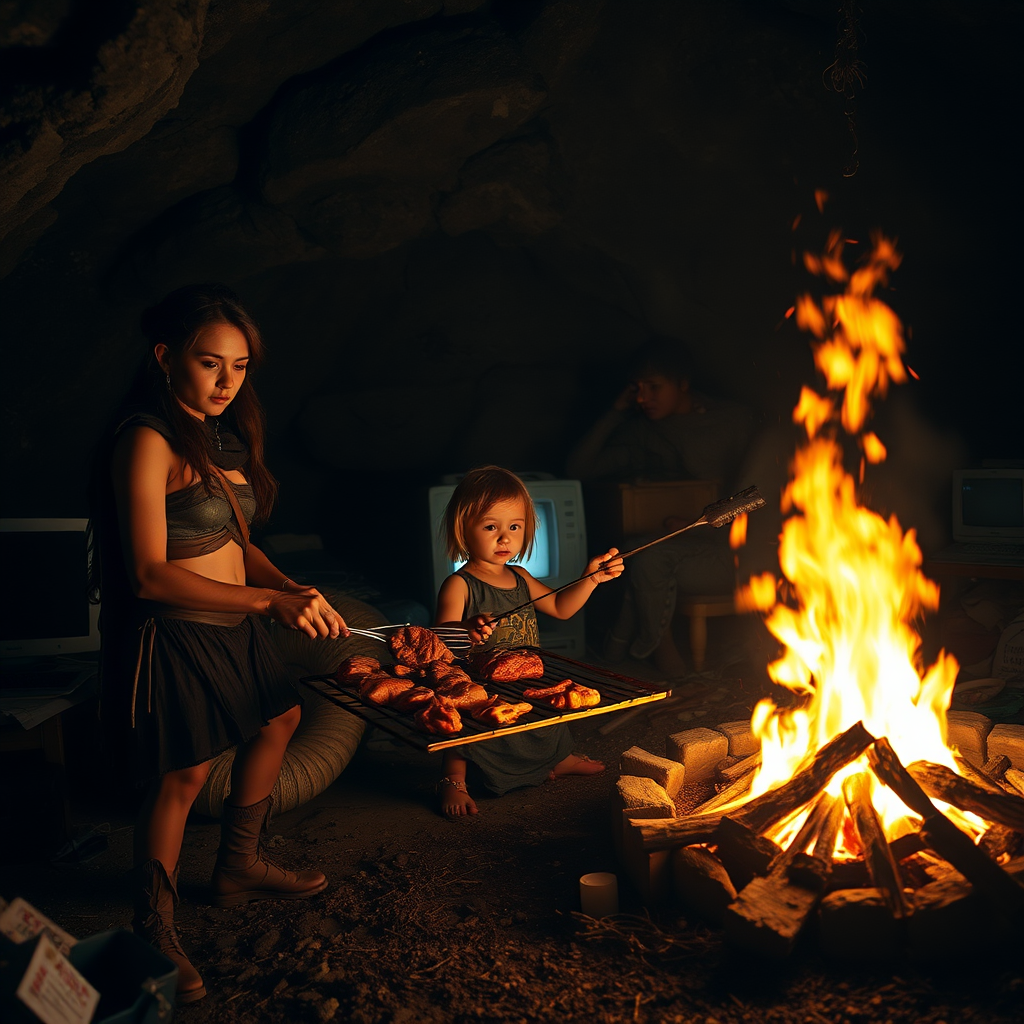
<point x="426" y="202"/>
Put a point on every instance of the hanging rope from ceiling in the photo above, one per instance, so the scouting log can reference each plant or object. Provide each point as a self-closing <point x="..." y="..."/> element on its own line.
<point x="846" y="73"/>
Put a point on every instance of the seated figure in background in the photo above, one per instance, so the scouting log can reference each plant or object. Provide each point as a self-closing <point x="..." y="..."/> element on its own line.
<point x="660" y="429"/>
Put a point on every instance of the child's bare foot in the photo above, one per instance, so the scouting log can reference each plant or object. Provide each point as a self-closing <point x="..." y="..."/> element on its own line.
<point x="455" y="799"/>
<point x="576" y="764"/>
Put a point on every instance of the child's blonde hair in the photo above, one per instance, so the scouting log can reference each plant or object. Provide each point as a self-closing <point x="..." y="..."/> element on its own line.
<point x="476" y="492"/>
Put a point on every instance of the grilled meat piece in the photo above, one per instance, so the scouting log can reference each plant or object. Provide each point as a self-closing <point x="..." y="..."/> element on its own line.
<point x="412" y="700"/>
<point x="507" y="665"/>
<point x="355" y="668"/>
<point x="381" y="688"/>
<point x="463" y="695"/>
<point x="441" y="673"/>
<point x="440" y="717"/>
<point x="540" y="692"/>
<point x="566" y="695"/>
<point x="498" y="711"/>
<point x="417" y="646"/>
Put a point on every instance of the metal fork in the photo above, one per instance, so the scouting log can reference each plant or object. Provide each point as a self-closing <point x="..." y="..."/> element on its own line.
<point x="453" y="637"/>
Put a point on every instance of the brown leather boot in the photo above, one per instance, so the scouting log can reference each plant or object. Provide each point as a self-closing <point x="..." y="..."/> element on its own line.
<point x="155" y="896"/>
<point x="244" y="873"/>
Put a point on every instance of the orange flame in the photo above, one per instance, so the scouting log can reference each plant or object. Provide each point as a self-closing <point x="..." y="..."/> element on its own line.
<point x="738" y="531"/>
<point x="849" y="648"/>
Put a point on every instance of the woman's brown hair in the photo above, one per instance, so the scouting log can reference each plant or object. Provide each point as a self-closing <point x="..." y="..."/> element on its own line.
<point x="177" y="322"/>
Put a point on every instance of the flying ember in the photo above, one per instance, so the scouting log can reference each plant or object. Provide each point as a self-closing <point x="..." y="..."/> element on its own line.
<point x="853" y="583"/>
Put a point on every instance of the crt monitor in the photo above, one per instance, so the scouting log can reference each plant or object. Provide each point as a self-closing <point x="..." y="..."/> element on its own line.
<point x="47" y="612"/>
<point x="988" y="504"/>
<point x="559" y="552"/>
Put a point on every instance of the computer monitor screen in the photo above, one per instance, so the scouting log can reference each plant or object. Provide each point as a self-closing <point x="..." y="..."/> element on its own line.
<point x="48" y="613"/>
<point x="993" y="503"/>
<point x="988" y="504"/>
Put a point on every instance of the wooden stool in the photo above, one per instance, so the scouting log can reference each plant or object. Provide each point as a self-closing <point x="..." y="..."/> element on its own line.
<point x="699" y="609"/>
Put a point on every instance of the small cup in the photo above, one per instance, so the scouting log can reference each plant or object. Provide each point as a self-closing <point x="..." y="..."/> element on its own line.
<point x="599" y="894"/>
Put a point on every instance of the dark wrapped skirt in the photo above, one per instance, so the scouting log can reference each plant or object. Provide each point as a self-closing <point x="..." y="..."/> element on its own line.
<point x="201" y="688"/>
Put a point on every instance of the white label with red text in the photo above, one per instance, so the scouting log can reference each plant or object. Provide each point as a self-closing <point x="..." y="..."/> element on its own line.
<point x="20" y="921"/>
<point x="53" y="990"/>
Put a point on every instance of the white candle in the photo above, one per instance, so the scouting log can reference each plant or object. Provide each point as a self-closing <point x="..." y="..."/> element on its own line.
<point x="599" y="894"/>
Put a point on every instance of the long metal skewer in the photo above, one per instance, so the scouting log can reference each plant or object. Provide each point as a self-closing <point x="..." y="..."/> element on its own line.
<point x="717" y="514"/>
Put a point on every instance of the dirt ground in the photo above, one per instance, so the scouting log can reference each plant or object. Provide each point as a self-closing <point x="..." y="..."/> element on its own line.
<point x="431" y="921"/>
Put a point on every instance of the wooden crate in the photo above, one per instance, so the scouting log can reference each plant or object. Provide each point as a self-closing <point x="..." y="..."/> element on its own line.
<point x="617" y="511"/>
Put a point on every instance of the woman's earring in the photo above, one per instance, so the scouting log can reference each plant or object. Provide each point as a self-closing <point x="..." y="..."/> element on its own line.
<point x="167" y="375"/>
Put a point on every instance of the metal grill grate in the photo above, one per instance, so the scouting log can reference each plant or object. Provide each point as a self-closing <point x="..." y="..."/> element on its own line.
<point x="617" y="692"/>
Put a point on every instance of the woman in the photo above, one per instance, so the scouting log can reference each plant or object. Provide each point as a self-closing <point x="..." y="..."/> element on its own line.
<point x="187" y="668"/>
<point x="660" y="429"/>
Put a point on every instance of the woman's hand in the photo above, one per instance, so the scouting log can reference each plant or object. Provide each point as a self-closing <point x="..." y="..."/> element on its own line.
<point x="307" y="610"/>
<point x="626" y="400"/>
<point x="609" y="565"/>
<point x="479" y="627"/>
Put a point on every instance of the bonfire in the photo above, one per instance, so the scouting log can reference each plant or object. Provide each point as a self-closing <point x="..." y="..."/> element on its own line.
<point x="858" y="772"/>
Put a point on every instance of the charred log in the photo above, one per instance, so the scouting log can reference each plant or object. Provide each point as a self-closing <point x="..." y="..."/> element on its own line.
<point x="989" y="802"/>
<point x="879" y="859"/>
<point x="778" y="804"/>
<point x="1002" y="892"/>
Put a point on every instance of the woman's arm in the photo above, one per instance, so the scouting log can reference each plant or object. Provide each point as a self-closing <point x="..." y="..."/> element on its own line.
<point x="591" y="459"/>
<point x="143" y="464"/>
<point x="569" y="601"/>
<point x="261" y="572"/>
<point x="451" y="607"/>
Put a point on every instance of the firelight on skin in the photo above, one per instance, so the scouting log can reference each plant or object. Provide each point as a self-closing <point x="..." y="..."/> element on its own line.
<point x="658" y="396"/>
<point x="497" y="537"/>
<point x="207" y="376"/>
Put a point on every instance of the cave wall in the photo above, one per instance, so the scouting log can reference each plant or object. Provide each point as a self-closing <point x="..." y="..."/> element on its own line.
<point x="455" y="219"/>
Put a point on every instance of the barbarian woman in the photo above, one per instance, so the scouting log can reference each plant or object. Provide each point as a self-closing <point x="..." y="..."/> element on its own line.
<point x="188" y="668"/>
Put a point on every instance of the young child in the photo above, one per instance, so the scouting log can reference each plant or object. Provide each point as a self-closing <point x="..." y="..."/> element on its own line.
<point x="490" y="522"/>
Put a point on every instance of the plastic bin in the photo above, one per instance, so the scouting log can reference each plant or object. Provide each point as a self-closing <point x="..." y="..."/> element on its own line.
<point x="136" y="982"/>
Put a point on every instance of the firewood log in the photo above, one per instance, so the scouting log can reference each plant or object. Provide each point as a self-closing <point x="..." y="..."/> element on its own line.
<point x="881" y="866"/>
<point x="982" y="778"/>
<point x="745" y="854"/>
<point x="855" y="925"/>
<point x="777" y="804"/>
<point x="668" y="833"/>
<point x="769" y="913"/>
<point x="701" y="883"/>
<point x="1004" y="894"/>
<point x="1000" y="841"/>
<point x="995" y="767"/>
<point x="734" y="790"/>
<point x="992" y="804"/>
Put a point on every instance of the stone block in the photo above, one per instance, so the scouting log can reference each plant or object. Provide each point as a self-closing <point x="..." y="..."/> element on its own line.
<point x="699" y="750"/>
<point x="667" y="773"/>
<point x="637" y="797"/>
<point x="742" y="742"/>
<point x="1008" y="740"/>
<point x="968" y="732"/>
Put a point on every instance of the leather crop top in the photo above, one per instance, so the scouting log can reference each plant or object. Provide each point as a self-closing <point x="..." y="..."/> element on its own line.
<point x="198" y="523"/>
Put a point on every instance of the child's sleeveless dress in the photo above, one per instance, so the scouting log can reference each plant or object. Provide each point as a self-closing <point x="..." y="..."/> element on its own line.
<point x="524" y="758"/>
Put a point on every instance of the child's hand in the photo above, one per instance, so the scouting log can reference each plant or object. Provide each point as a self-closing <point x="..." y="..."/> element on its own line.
<point x="479" y="628"/>
<point x="608" y="563"/>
